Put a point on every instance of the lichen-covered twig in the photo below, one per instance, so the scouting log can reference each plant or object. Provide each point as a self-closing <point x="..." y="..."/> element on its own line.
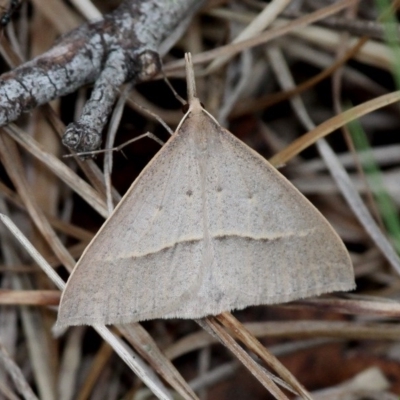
<point x="121" y="47"/>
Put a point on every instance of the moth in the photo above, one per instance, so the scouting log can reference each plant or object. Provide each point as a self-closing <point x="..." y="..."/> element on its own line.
<point x="208" y="226"/>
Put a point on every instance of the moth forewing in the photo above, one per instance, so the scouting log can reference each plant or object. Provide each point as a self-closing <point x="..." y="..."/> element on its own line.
<point x="208" y="226"/>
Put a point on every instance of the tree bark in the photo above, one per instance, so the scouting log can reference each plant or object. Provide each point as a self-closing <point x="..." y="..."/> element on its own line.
<point x="124" y="46"/>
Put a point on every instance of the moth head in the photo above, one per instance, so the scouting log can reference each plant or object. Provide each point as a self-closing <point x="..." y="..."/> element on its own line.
<point x="195" y="106"/>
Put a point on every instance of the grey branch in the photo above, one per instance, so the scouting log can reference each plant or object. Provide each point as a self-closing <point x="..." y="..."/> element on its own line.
<point x="124" y="46"/>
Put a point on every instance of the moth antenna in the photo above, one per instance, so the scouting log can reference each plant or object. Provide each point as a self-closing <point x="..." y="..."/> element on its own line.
<point x="190" y="80"/>
<point x="175" y="93"/>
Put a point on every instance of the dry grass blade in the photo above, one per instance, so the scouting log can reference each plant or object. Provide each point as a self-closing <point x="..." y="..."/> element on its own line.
<point x="7" y="392"/>
<point x="331" y="125"/>
<point x="230" y="322"/>
<point x="145" y="345"/>
<point x="353" y="198"/>
<point x="383" y="155"/>
<point x="97" y="366"/>
<point x="336" y="94"/>
<point x="30" y="297"/>
<point x="370" y="383"/>
<point x="135" y="363"/>
<point x="69" y="365"/>
<point x="264" y="102"/>
<point x="337" y="171"/>
<point x="39" y="351"/>
<point x="112" y="131"/>
<point x="332" y="329"/>
<point x="12" y="162"/>
<point x="294" y="330"/>
<point x="374" y="53"/>
<point x="377" y="308"/>
<point x="261" y="22"/>
<point x="211" y="325"/>
<point x="62" y="226"/>
<point x="215" y="375"/>
<point x="15" y="373"/>
<point x="53" y="11"/>
<point x="232" y="49"/>
<point x="32" y="322"/>
<point x="59" y="169"/>
<point x="88" y="9"/>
